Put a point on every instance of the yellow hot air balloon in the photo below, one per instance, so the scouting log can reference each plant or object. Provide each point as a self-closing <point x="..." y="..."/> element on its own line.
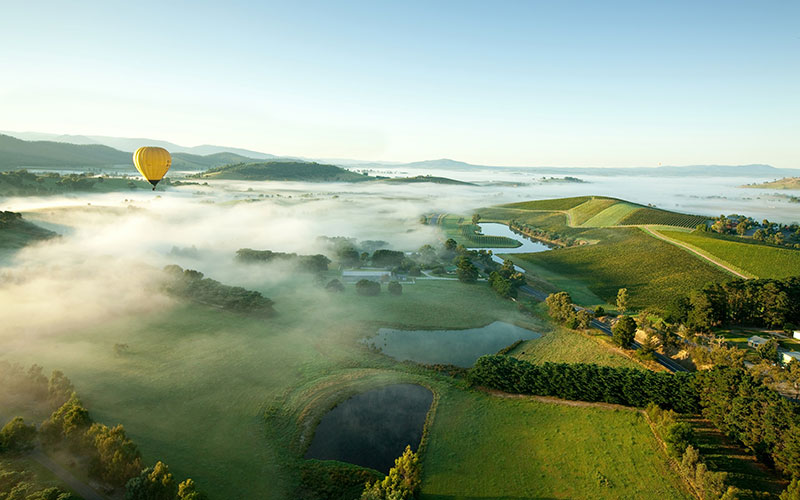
<point x="152" y="162"/>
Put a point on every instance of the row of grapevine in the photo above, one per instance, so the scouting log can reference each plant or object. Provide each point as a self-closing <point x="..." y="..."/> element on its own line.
<point x="647" y="215"/>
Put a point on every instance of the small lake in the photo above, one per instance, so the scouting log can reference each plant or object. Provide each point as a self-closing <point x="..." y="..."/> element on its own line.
<point x="497" y="229"/>
<point x="455" y="347"/>
<point x="373" y="428"/>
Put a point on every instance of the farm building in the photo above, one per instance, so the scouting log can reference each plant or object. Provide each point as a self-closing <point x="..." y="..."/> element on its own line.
<point x="796" y="334"/>
<point x="756" y="341"/>
<point x="354" y="275"/>
<point x="789" y="356"/>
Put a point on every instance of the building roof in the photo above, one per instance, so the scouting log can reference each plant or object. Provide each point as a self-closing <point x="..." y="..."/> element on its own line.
<point x="791" y="354"/>
<point x="755" y="339"/>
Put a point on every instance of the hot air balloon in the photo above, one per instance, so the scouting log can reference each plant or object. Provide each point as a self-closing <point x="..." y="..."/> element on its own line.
<point x="152" y="162"/>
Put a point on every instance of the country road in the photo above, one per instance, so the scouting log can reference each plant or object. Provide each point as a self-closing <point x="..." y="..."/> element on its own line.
<point x="75" y="484"/>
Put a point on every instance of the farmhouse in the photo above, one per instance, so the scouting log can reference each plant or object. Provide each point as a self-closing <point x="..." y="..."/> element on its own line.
<point x="789" y="356"/>
<point x="796" y="334"/>
<point x="354" y="275"/>
<point x="756" y="341"/>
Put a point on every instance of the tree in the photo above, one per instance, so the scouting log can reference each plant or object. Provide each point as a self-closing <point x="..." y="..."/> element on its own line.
<point x="347" y="256"/>
<point x="624" y="331"/>
<point x="450" y="245"/>
<point x="153" y="483"/>
<point x="622" y="300"/>
<point x="476" y="218"/>
<point x="117" y="458"/>
<point x="187" y="490"/>
<point x="768" y="351"/>
<point x="741" y="228"/>
<point x="678" y="309"/>
<point x="367" y="287"/>
<point x="402" y="482"/>
<point x="678" y="437"/>
<point x="584" y="318"/>
<point x="466" y="271"/>
<point x="16" y="436"/>
<point x="387" y="258"/>
<point x="599" y="311"/>
<point x="395" y="288"/>
<point x="792" y="491"/>
<point x="334" y="285"/>
<point x="559" y="306"/>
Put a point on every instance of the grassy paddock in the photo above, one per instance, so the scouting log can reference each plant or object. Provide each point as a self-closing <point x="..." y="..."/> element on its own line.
<point x="196" y="383"/>
<point x="490" y="447"/>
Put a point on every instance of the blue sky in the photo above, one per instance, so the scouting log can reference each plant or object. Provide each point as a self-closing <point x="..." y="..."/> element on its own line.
<point x="500" y="83"/>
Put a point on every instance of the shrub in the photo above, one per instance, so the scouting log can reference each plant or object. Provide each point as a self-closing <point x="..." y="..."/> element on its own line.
<point x="395" y="288"/>
<point x="368" y="288"/>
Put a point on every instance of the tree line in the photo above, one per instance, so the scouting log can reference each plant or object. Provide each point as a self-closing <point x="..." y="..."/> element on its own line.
<point x="305" y="263"/>
<point x="192" y="285"/>
<point x="587" y="382"/>
<point x="756" y="302"/>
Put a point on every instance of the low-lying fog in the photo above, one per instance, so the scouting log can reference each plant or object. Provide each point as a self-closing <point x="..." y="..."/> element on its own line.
<point x="105" y="236"/>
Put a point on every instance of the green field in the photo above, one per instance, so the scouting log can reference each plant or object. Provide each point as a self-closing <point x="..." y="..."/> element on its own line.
<point x="653" y="271"/>
<point x="196" y="381"/>
<point x="585" y="211"/>
<point x="612" y="215"/>
<point x="554" y="204"/>
<point x="656" y="216"/>
<point x="763" y="261"/>
<point x="538" y="450"/>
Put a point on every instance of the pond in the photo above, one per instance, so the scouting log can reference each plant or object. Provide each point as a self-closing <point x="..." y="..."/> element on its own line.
<point x="373" y="428"/>
<point x="496" y="229"/>
<point x="528" y="245"/>
<point x="455" y="347"/>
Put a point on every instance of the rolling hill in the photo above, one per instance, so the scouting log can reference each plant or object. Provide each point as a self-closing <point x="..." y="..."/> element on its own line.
<point x="426" y="178"/>
<point x="283" y="171"/>
<point x="17" y="154"/>
<point x="16" y="232"/>
<point x="785" y="183"/>
<point x="601" y="211"/>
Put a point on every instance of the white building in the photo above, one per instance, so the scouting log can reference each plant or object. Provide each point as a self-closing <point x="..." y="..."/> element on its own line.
<point x="354" y="275"/>
<point x="789" y="356"/>
<point x="756" y="341"/>
<point x="796" y="334"/>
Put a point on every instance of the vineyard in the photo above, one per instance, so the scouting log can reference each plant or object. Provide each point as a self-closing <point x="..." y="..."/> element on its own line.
<point x="472" y="233"/>
<point x="761" y="260"/>
<point x="589" y="209"/>
<point x="612" y="215"/>
<point x="556" y="204"/>
<point x="655" y="216"/>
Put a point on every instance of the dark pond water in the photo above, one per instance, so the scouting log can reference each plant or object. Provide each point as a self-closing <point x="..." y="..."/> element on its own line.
<point x="455" y="347"/>
<point x="373" y="428"/>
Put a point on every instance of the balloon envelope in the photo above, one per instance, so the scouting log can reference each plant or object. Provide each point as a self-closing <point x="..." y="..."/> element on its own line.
<point x="152" y="162"/>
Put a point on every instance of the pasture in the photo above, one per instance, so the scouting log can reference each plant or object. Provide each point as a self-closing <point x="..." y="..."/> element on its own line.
<point x="231" y="400"/>
<point x="484" y="446"/>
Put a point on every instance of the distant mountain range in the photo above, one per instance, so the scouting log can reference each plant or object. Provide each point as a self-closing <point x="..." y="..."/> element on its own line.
<point x="34" y="149"/>
<point x="131" y="144"/>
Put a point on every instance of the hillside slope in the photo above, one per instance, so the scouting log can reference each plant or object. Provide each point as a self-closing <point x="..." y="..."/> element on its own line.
<point x="283" y="171"/>
<point x="16" y="232"/>
<point x="15" y="153"/>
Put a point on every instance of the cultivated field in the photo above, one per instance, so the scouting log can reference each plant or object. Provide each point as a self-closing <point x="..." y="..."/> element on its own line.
<point x="760" y="260"/>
